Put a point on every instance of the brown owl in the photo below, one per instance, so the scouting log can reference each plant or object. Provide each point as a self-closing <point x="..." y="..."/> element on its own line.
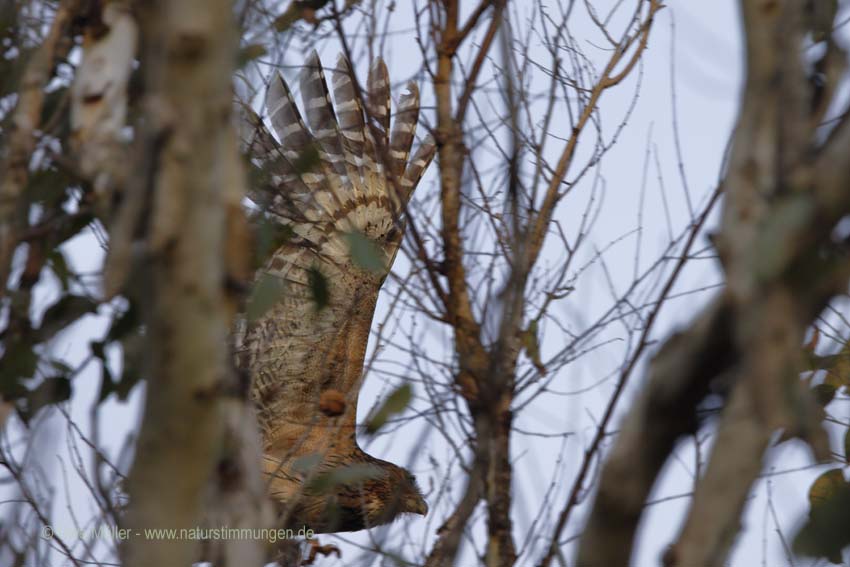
<point x="339" y="184"/>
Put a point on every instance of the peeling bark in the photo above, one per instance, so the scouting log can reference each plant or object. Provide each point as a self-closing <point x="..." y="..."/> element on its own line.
<point x="189" y="62"/>
<point x="99" y="97"/>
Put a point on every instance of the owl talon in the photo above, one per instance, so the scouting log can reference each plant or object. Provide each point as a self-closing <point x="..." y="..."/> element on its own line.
<point x="316" y="548"/>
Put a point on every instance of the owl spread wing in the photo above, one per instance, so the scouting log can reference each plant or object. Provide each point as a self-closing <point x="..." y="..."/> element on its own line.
<point x="336" y="184"/>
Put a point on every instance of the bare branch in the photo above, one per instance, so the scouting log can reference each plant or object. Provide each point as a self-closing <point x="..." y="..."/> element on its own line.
<point x="21" y="143"/>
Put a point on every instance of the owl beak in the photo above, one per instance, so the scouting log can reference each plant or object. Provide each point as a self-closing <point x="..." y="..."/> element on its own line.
<point x="418" y="506"/>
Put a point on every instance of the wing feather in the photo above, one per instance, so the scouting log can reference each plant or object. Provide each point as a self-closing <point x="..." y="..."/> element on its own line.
<point x="299" y="349"/>
<point x="379" y="100"/>
<point x="418" y="164"/>
<point x="404" y="129"/>
<point x="321" y="117"/>
<point x="352" y="130"/>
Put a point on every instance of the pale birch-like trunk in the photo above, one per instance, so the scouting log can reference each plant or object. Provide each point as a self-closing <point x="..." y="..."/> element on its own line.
<point x="190" y="161"/>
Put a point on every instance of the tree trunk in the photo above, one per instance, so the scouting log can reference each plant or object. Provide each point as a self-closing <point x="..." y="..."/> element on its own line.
<point x="188" y="136"/>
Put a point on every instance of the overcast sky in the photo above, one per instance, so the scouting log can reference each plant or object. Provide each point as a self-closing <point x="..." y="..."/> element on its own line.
<point x="705" y="46"/>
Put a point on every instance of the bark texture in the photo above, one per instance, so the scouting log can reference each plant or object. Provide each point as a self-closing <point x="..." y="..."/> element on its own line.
<point x="26" y="120"/>
<point x="487" y="368"/>
<point x="190" y="158"/>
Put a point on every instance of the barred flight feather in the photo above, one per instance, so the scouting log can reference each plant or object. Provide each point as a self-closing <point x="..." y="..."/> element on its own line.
<point x="326" y="182"/>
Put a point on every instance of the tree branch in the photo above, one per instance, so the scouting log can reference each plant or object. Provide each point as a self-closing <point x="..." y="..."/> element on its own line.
<point x="14" y="171"/>
<point x="775" y="215"/>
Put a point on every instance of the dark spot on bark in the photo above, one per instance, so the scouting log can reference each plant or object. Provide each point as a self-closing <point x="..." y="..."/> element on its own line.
<point x="93" y="98"/>
<point x="190" y="288"/>
<point x="770" y="6"/>
<point x="669" y="558"/>
<point x="243" y="382"/>
<point x="189" y="46"/>
<point x="220" y="387"/>
<point x="229" y="474"/>
<point x="234" y="285"/>
<point x="91" y="18"/>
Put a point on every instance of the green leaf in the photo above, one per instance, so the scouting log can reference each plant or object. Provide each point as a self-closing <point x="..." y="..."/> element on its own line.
<point x="838" y="373"/>
<point x="98" y="349"/>
<point x="307" y="463"/>
<point x="532" y="347"/>
<point x="309" y="159"/>
<point x="124" y="323"/>
<point x="302" y="9"/>
<point x="319" y="290"/>
<point x="17" y="364"/>
<point x="264" y="296"/>
<point x="837" y="366"/>
<point x="59" y="267"/>
<point x="107" y="385"/>
<point x="270" y="236"/>
<point x="67" y="310"/>
<point x="795" y="211"/>
<point x="60" y="366"/>
<point x="847" y="446"/>
<point x="825" y="487"/>
<point x="356" y="473"/>
<point x="77" y="224"/>
<point x="365" y="253"/>
<point x="396" y="403"/>
<point x="47" y="186"/>
<point x="12" y="69"/>
<point x="825" y="533"/>
<point x="824" y="393"/>
<point x="289" y="17"/>
<point x="248" y="53"/>
<point x="345" y="475"/>
<point x="132" y="347"/>
<point x="130" y="376"/>
<point x="50" y="391"/>
<point x="56" y="101"/>
<point x="820" y="18"/>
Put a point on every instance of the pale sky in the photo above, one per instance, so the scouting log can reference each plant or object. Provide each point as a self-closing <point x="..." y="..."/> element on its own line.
<point x="706" y="44"/>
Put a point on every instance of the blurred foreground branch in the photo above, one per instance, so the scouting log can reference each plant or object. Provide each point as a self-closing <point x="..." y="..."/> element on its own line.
<point x="783" y="265"/>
